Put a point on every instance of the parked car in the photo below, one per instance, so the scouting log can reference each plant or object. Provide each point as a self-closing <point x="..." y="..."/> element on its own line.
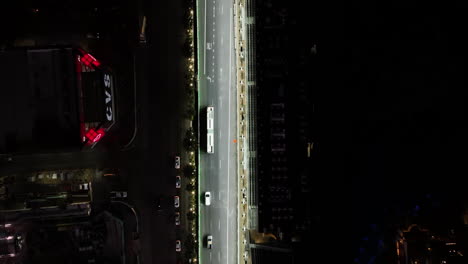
<point x="207" y="198"/>
<point x="176" y="201"/>
<point x="118" y="195"/>
<point x="178" y="246"/>
<point x="158" y="204"/>
<point x="177" y="162"/>
<point x="209" y="241"/>
<point x="177" y="182"/>
<point x="177" y="218"/>
<point x="84" y="186"/>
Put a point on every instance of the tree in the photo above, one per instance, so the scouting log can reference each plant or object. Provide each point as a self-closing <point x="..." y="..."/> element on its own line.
<point x="190" y="113"/>
<point x="189" y="171"/>
<point x="190" y="187"/>
<point x="191" y="216"/>
<point x="190" y="140"/>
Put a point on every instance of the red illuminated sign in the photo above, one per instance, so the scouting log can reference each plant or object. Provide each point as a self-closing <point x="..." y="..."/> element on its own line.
<point x="89" y="60"/>
<point x="94" y="136"/>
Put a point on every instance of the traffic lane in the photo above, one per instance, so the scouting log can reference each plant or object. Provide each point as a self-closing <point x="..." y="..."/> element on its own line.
<point x="161" y="141"/>
<point x="215" y="94"/>
<point x="216" y="218"/>
<point x="209" y="39"/>
<point x="159" y="180"/>
<point x="223" y="43"/>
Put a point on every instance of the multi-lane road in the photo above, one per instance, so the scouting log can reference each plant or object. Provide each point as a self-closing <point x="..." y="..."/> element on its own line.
<point x="218" y="171"/>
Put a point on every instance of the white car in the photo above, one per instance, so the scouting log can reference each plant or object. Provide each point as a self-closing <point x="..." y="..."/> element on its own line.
<point x="177" y="182"/>
<point x="117" y="195"/>
<point x="207" y="198"/>
<point x="177" y="162"/>
<point x="84" y="186"/>
<point x="176" y="201"/>
<point x="178" y="246"/>
<point x="209" y="241"/>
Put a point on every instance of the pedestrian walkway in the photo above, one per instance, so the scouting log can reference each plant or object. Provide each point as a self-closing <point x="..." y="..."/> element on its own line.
<point x="245" y="65"/>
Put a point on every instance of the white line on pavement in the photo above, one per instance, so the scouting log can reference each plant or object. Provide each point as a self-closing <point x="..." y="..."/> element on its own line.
<point x="219" y="164"/>
<point x="229" y="142"/>
<point x="219" y="225"/>
<point x="204" y="52"/>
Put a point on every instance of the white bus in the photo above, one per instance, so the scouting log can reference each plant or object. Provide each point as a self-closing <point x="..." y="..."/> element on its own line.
<point x="210" y="129"/>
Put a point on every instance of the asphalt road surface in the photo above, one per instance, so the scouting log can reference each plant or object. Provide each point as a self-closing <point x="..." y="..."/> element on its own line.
<point x="160" y="102"/>
<point x="218" y="171"/>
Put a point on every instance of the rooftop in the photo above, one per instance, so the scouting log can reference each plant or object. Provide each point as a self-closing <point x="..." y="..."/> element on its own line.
<point x="39" y="105"/>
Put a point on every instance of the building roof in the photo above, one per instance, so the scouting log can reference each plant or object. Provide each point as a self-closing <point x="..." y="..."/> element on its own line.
<point x="39" y="99"/>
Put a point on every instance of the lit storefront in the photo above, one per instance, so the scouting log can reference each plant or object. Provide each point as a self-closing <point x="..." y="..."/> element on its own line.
<point x="97" y="104"/>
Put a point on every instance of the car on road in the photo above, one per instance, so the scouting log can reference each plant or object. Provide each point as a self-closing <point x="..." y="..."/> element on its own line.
<point x="207" y="198"/>
<point x="177" y="218"/>
<point x="178" y="246"/>
<point x="118" y="195"/>
<point x="176" y="201"/>
<point x="177" y="182"/>
<point x="177" y="162"/>
<point x="209" y="241"/>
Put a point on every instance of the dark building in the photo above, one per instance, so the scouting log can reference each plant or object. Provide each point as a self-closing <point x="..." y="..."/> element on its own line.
<point x="285" y="72"/>
<point x="419" y="245"/>
<point x="54" y="99"/>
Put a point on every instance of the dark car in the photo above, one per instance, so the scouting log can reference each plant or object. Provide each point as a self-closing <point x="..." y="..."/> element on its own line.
<point x="178" y="182"/>
<point x="178" y="246"/>
<point x="158" y="204"/>
<point x="177" y="162"/>
<point x="177" y="218"/>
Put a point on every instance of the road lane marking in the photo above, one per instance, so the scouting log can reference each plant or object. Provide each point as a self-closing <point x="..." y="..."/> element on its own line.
<point x="220" y="164"/>
<point x="219" y="224"/>
<point x="204" y="53"/>
<point x="222" y="10"/>
<point x="229" y="136"/>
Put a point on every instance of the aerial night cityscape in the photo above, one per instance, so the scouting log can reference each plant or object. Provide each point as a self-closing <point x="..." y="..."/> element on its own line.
<point x="232" y="132"/>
